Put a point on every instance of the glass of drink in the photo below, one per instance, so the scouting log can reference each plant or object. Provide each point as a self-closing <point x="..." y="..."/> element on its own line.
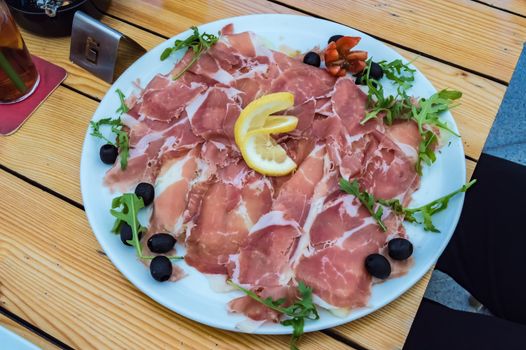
<point x="18" y="74"/>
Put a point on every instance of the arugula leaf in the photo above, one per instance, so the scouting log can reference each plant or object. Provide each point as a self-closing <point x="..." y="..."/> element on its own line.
<point x="427" y="116"/>
<point x="123" y="143"/>
<point x="410" y="214"/>
<point x="198" y="42"/>
<point x="393" y="107"/>
<point x="95" y="128"/>
<point x="433" y="207"/>
<point x="303" y="309"/>
<point x="399" y="73"/>
<point x="425" y="112"/>
<point x="367" y="199"/>
<point x="129" y="205"/>
<point x="122" y="139"/>
<point x="122" y="108"/>
<point x="125" y="209"/>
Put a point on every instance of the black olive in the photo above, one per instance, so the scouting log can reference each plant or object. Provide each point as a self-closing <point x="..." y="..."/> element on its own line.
<point x="334" y="38"/>
<point x="161" y="268"/>
<point x="378" y="266"/>
<point x="161" y="242"/>
<point x="146" y="192"/>
<point x="108" y="154"/>
<point x="400" y="248"/>
<point x="127" y="234"/>
<point x="312" y="58"/>
<point x="359" y="80"/>
<point x="376" y="72"/>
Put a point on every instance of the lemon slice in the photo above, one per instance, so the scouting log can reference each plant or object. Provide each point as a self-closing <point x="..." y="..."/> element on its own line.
<point x="263" y="154"/>
<point x="277" y="124"/>
<point x="253" y="129"/>
<point x="255" y="114"/>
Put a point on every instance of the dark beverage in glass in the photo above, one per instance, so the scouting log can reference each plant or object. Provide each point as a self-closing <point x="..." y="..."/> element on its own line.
<point x="18" y="74"/>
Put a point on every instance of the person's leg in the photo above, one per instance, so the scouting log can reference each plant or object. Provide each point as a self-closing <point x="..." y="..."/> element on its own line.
<point x="438" y="327"/>
<point x="487" y="254"/>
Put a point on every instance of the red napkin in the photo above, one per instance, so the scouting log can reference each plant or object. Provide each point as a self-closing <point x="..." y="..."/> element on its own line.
<point x="12" y="116"/>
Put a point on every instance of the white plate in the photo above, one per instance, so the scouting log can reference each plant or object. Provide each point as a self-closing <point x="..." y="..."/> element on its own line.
<point x="192" y="297"/>
<point x="10" y="340"/>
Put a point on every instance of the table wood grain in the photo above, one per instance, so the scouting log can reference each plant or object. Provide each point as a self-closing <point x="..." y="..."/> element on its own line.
<point x="54" y="274"/>
<point x="515" y="6"/>
<point x="461" y="32"/>
<point x="25" y="333"/>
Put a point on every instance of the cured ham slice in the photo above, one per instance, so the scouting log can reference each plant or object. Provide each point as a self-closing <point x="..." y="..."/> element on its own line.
<point x="213" y="114"/>
<point x="387" y="171"/>
<point x="157" y="125"/>
<point x="341" y="237"/>
<point x="172" y="187"/>
<point x="168" y="99"/>
<point x="148" y="153"/>
<point x="295" y="195"/>
<point x="263" y="258"/>
<point x="263" y="264"/>
<point x="230" y="206"/>
<point x="349" y="103"/>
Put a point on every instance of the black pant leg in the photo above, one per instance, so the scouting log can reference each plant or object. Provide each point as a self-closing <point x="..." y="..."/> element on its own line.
<point x="437" y="327"/>
<point x="487" y="254"/>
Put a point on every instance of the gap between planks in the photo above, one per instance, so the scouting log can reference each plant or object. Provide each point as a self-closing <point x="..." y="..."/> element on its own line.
<point x="30" y="332"/>
<point x="514" y="7"/>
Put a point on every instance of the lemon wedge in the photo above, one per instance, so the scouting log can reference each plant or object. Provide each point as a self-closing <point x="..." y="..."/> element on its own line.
<point x="263" y="154"/>
<point x="253" y="129"/>
<point x="255" y="114"/>
<point x="278" y="124"/>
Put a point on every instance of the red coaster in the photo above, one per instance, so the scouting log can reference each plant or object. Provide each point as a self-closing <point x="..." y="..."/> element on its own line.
<point x="12" y="116"/>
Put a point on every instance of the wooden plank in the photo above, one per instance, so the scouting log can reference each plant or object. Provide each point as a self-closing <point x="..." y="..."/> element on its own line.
<point x="66" y="287"/>
<point x="48" y="146"/>
<point x="56" y="50"/>
<point x="463" y="32"/>
<point x="171" y="17"/>
<point x="516" y="6"/>
<point x="26" y="333"/>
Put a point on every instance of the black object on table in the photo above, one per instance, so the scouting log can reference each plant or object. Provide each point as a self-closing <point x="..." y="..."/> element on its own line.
<point x="487" y="253"/>
<point x="33" y="18"/>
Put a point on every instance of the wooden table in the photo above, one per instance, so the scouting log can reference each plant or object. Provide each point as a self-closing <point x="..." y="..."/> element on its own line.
<point x="57" y="287"/>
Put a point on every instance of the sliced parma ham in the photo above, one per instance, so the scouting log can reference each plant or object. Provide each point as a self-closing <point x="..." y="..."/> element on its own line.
<point x="263" y="264"/>
<point x="341" y="237"/>
<point x="213" y="114"/>
<point x="295" y="195"/>
<point x="172" y="187"/>
<point x="229" y="208"/>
